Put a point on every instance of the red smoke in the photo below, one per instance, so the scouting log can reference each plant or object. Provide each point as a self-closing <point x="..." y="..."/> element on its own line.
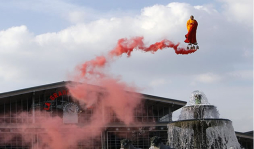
<point x="110" y="96"/>
<point x="97" y="62"/>
<point x="113" y="93"/>
<point x="128" y="45"/>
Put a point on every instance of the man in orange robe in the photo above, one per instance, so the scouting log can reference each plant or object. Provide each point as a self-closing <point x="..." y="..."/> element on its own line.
<point x="192" y="25"/>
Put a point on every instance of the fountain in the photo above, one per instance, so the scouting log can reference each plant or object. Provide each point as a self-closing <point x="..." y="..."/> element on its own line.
<point x="199" y="127"/>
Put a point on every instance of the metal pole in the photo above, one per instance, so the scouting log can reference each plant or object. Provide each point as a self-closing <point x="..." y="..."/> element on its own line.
<point x="102" y="144"/>
<point x="10" y="111"/>
<point x="107" y="138"/>
<point x="169" y="114"/>
<point x="33" y="107"/>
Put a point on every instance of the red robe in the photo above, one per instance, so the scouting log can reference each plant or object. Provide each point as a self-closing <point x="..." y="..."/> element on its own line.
<point x="191" y="35"/>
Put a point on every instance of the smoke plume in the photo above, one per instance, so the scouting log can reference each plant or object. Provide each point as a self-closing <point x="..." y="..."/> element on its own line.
<point x="109" y="98"/>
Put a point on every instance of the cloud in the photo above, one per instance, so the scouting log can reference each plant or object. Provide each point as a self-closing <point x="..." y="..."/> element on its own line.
<point x="68" y="11"/>
<point x="208" y="78"/>
<point x="237" y="75"/>
<point x="243" y="74"/>
<point x="239" y="11"/>
<point x="76" y="16"/>
<point x="13" y="38"/>
<point x="157" y="82"/>
<point x="27" y="59"/>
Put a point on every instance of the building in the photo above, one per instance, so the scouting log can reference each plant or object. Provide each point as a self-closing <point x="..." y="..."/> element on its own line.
<point x="245" y="139"/>
<point x="156" y="114"/>
<point x="153" y="121"/>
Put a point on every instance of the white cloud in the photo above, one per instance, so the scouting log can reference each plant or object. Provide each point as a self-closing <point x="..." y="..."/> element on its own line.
<point x="223" y="77"/>
<point x="77" y="16"/>
<point x="208" y="78"/>
<point x="68" y="11"/>
<point x="239" y="11"/>
<point x="84" y="40"/>
<point x="158" y="82"/>
<point x="243" y="74"/>
<point x="13" y="38"/>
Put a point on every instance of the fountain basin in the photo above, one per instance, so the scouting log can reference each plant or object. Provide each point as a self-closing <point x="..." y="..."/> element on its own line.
<point x="206" y="122"/>
<point x="201" y="111"/>
<point x="199" y="127"/>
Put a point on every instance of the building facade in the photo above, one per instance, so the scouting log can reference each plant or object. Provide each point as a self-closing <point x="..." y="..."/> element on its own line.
<point x="53" y="100"/>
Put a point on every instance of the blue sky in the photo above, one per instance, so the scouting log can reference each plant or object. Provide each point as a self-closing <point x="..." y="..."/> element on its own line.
<point x="41" y="42"/>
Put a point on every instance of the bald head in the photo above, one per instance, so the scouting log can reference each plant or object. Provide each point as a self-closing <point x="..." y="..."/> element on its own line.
<point x="192" y="17"/>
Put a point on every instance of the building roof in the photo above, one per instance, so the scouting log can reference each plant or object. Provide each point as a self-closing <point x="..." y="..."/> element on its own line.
<point x="176" y="104"/>
<point x="249" y="133"/>
<point x="246" y="135"/>
<point x="34" y="89"/>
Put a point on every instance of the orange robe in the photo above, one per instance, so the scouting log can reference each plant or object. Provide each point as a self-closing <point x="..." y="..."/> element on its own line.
<point x="192" y="29"/>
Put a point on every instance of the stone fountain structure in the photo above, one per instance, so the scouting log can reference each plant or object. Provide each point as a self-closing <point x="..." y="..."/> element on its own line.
<point x="199" y="127"/>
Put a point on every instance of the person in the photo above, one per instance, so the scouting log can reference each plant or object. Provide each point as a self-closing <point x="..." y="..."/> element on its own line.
<point x="192" y="25"/>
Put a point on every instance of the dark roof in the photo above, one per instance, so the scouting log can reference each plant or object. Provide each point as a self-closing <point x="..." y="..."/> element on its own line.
<point x="165" y="100"/>
<point x="34" y="89"/>
<point x="247" y="135"/>
<point x="175" y="103"/>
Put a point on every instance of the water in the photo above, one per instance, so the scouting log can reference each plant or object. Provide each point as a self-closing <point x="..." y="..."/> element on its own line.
<point x="199" y="112"/>
<point x="204" y="100"/>
<point x="199" y="127"/>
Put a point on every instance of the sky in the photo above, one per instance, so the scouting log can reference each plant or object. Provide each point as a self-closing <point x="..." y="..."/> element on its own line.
<point x="42" y="42"/>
